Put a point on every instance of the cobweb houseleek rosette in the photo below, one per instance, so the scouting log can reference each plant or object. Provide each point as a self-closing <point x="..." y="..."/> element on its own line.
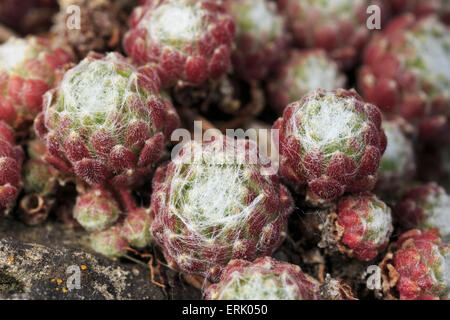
<point x="211" y="204"/>
<point x="261" y="37"/>
<point x="406" y="72"/>
<point x="107" y="121"/>
<point x="330" y="142"/>
<point x="28" y="68"/>
<point x="186" y="40"/>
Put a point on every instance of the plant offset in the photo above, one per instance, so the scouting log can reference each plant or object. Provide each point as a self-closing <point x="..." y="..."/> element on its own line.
<point x="357" y="178"/>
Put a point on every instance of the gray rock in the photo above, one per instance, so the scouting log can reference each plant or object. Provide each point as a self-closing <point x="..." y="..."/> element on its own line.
<point x="40" y="263"/>
<point x="34" y="271"/>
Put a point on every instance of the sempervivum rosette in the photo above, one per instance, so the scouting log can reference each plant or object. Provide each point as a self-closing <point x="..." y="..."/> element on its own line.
<point x="109" y="242"/>
<point x="330" y="142"/>
<point x="302" y="72"/>
<point x="215" y="202"/>
<point x="263" y="279"/>
<point x="398" y="165"/>
<point x="11" y="158"/>
<point x="360" y="228"/>
<point x="339" y="27"/>
<point x="426" y="206"/>
<point x="106" y="121"/>
<point x="269" y="279"/>
<point x="188" y="40"/>
<point x="28" y="68"/>
<point x="418" y="267"/>
<point x="406" y="71"/>
<point x="261" y="37"/>
<point x="96" y="210"/>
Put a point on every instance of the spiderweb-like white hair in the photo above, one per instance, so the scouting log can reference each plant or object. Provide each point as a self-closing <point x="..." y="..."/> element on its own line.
<point x="329" y="125"/>
<point x="101" y="95"/>
<point x="218" y="202"/>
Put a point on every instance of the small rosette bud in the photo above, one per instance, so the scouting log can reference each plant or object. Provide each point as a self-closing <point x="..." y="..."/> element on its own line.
<point x="96" y="210"/>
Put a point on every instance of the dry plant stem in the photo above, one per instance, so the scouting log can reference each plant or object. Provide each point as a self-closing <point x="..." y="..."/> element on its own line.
<point x="154" y="271"/>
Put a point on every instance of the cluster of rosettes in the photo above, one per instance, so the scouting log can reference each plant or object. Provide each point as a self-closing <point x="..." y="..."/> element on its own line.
<point x="361" y="228"/>
<point x="215" y="202"/>
<point x="407" y="71"/>
<point x="304" y="71"/>
<point x="106" y="121"/>
<point x="261" y="37"/>
<point x="133" y="231"/>
<point x="11" y="158"/>
<point x="398" y="165"/>
<point x="188" y="40"/>
<point x="28" y="68"/>
<point x="113" y="229"/>
<point x="421" y="265"/>
<point x="331" y="142"/>
<point x="423" y="8"/>
<point x="427" y="207"/>
<point x="339" y="27"/>
<point x="263" y="279"/>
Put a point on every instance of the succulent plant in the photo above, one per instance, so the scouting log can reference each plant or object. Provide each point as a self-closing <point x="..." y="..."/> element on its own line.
<point x="361" y="228"/>
<point x="263" y="279"/>
<point x="398" y="164"/>
<point x="261" y="37"/>
<point x="96" y="210"/>
<point x="426" y="207"/>
<point x="339" y="27"/>
<point x="188" y="40"/>
<point x="41" y="182"/>
<point x="330" y="142"/>
<point x="136" y="228"/>
<point x="11" y="159"/>
<point x="107" y="121"/>
<point x="215" y="202"/>
<point x="302" y="72"/>
<point x="109" y="242"/>
<point x="38" y="176"/>
<point x="423" y="8"/>
<point x="28" y="68"/>
<point x="406" y="72"/>
<point x="269" y="279"/>
<point x="418" y="268"/>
